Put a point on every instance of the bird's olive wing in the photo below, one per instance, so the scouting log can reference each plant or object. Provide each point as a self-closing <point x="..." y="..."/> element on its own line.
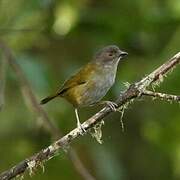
<point x="81" y="77"/>
<point x="70" y="84"/>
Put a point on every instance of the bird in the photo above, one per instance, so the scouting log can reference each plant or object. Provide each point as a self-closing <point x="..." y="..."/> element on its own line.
<point x="91" y="83"/>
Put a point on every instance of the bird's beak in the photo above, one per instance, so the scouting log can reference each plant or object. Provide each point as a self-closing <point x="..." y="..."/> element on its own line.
<point x="123" y="54"/>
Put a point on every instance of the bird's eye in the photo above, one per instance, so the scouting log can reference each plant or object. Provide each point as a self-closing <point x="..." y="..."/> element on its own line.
<point x="110" y="54"/>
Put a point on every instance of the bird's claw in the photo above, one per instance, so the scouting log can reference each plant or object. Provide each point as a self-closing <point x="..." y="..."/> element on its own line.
<point x="111" y="105"/>
<point x="81" y="129"/>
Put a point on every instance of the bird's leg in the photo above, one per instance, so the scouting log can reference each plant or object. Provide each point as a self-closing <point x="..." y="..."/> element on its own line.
<point x="79" y="126"/>
<point x="110" y="104"/>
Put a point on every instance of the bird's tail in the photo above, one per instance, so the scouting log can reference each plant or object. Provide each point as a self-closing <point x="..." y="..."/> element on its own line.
<point x="47" y="99"/>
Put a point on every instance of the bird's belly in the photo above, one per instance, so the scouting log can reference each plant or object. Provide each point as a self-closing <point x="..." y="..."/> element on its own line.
<point x="94" y="92"/>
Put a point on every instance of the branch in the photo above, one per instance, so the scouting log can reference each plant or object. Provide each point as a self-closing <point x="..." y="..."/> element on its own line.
<point x="158" y="74"/>
<point x="34" y="105"/>
<point x="163" y="96"/>
<point x="134" y="91"/>
<point x="17" y="30"/>
<point x="2" y="81"/>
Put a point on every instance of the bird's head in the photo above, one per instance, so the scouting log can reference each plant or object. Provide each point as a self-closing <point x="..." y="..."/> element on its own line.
<point x="109" y="55"/>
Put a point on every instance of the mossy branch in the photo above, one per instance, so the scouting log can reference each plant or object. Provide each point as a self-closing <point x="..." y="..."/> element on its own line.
<point x="162" y="96"/>
<point x="134" y="91"/>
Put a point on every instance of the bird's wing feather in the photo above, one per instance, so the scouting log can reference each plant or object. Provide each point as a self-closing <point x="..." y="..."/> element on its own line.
<point x="81" y="77"/>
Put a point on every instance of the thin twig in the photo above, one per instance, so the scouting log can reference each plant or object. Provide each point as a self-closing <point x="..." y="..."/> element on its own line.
<point x="163" y="96"/>
<point x="2" y="83"/>
<point x="33" y="104"/>
<point x="16" y="30"/>
<point x="134" y="91"/>
<point x="3" y="64"/>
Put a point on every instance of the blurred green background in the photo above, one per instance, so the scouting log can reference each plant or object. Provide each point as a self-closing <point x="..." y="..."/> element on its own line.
<point x="53" y="38"/>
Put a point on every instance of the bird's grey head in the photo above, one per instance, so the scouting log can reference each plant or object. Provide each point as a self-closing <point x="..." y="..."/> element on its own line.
<point x="109" y="54"/>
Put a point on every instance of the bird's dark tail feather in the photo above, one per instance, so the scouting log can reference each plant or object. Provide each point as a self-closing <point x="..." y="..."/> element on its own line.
<point x="47" y="99"/>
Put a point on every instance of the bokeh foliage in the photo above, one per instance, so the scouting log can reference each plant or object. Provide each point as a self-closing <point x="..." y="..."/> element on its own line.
<point x="50" y="40"/>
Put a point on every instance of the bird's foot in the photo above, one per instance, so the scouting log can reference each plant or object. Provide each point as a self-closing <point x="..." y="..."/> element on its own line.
<point x="81" y="129"/>
<point x="111" y="105"/>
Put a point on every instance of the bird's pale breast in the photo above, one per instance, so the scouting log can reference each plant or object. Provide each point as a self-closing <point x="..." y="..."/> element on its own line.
<point x="94" y="90"/>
